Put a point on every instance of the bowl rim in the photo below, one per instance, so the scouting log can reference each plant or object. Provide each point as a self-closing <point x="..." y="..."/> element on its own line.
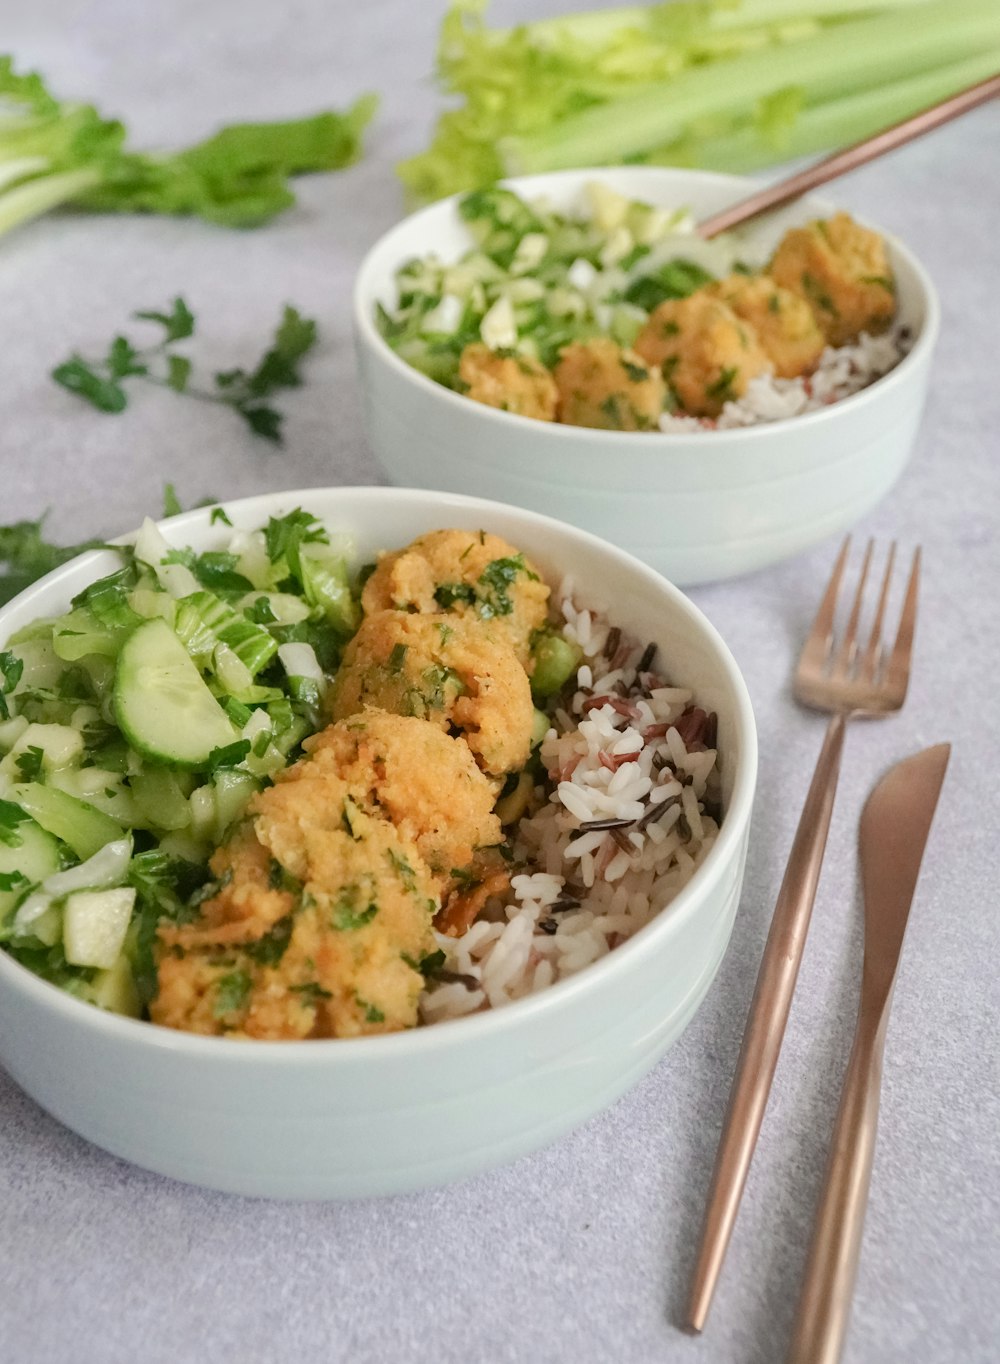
<point x="467" y="1029"/>
<point x="638" y="443"/>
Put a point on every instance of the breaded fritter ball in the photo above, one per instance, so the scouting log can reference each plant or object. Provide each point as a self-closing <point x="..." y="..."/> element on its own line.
<point x="421" y="779"/>
<point x="513" y="383"/>
<point x="469" y="574"/>
<point x="786" y="329"/>
<point x="601" y="385"/>
<point x="342" y="960"/>
<point x="442" y="669"/>
<point x="706" y="353"/>
<point x="842" y="271"/>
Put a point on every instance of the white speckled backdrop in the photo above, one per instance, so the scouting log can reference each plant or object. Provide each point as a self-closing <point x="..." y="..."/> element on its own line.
<point x="580" y="1253"/>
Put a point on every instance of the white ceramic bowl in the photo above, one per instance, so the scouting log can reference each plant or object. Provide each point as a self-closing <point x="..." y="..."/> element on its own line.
<point x="697" y="507"/>
<point x="378" y="1115"/>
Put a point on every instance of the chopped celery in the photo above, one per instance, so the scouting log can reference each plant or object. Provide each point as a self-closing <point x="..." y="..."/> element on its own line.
<point x="105" y="790"/>
<point x="326" y="584"/>
<point x="79" y="825"/>
<point x="80" y="633"/>
<point x="204" y="621"/>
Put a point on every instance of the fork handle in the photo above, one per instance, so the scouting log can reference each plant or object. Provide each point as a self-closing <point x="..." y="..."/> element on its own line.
<point x="825" y="1300"/>
<point x="765" y="1027"/>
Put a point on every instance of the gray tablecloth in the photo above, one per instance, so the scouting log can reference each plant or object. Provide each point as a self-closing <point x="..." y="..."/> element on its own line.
<point x="580" y="1253"/>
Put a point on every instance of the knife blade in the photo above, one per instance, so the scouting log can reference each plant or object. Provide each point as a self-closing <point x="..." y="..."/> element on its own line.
<point x="895" y="824"/>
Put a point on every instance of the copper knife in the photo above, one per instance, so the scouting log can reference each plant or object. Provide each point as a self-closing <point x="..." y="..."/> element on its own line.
<point x="894" y="827"/>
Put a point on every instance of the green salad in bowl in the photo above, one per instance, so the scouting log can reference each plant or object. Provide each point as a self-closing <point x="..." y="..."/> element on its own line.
<point x="136" y="726"/>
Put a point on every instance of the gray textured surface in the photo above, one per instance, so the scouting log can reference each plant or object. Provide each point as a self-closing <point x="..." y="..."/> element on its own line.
<point x="581" y="1252"/>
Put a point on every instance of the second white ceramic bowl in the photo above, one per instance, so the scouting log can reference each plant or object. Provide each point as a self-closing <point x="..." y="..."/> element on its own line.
<point x="378" y="1115"/>
<point x="699" y="506"/>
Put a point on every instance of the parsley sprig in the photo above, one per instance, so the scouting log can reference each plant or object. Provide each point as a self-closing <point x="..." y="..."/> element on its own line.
<point x="102" y="382"/>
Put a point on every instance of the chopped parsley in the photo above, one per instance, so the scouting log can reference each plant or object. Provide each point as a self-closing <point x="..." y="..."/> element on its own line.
<point x="280" y="879"/>
<point x="227" y="757"/>
<point x="447" y="594"/>
<point x="637" y="373"/>
<point x="11" y="668"/>
<point x="11" y="816"/>
<point x="29" y="763"/>
<point x="818" y="295"/>
<point x="232" y="993"/>
<point x="497" y="578"/>
<point x="373" y="1014"/>
<point x="347" y="912"/>
<point x="722" y="388"/>
<point x="883" y="282"/>
<point x="403" y="869"/>
<point x="351" y="812"/>
<point x="311" y="992"/>
<point x="269" y="949"/>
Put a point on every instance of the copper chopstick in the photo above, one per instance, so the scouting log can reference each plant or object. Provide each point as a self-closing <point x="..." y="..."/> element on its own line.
<point x="849" y="158"/>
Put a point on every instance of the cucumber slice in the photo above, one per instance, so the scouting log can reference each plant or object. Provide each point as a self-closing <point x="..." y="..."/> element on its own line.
<point x="34" y="857"/>
<point x="163" y="705"/>
<point x="85" y="829"/>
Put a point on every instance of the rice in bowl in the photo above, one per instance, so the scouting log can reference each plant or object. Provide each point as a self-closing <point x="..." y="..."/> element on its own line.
<point x="627" y="812"/>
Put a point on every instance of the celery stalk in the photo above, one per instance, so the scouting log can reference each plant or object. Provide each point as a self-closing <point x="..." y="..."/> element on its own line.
<point x="843" y="58"/>
<point x="35" y="197"/>
<point x="834" y="123"/>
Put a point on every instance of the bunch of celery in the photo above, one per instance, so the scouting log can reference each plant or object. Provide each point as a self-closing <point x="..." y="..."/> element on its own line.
<point x="726" y="84"/>
<point x="54" y="153"/>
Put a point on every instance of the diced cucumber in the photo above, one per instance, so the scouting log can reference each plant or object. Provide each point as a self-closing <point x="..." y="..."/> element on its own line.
<point x="61" y="746"/>
<point x="163" y="705"/>
<point x="94" y="925"/>
<point x="286" y="609"/>
<point x="184" y="844"/>
<point x="114" y="989"/>
<point x="232" y="795"/>
<point x="78" y="824"/>
<point x="540" y="726"/>
<point x="34" y="857"/>
<point x="556" y="660"/>
<point x="161" y="798"/>
<point x="152" y="549"/>
<point x="42" y="666"/>
<point x="11" y="730"/>
<point x="149" y="603"/>
<point x="215" y="806"/>
<point x="511" y="807"/>
<point x="47" y="928"/>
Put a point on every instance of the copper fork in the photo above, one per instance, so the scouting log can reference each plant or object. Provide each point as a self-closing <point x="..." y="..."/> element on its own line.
<point x="840" y="679"/>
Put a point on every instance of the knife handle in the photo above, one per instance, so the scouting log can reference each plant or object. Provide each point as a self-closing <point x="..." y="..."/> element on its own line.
<point x="765" y="1026"/>
<point x="827" y="1287"/>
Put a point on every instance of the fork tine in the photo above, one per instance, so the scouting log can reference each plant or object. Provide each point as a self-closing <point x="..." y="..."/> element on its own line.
<point x="898" y="673"/>
<point x="869" y="664"/>
<point x="817" y="645"/>
<point x="845" y="656"/>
